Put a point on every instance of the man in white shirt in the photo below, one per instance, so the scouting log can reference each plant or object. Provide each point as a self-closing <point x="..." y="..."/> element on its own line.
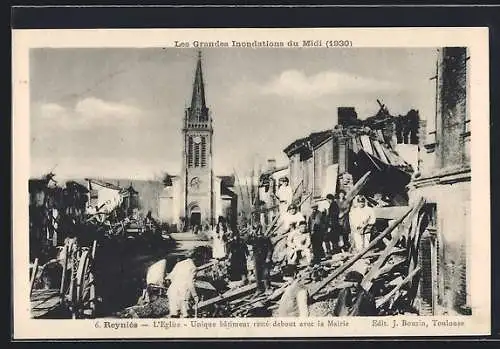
<point x="284" y="195"/>
<point x="181" y="289"/>
<point x="292" y="218"/>
<point x="362" y="218"/>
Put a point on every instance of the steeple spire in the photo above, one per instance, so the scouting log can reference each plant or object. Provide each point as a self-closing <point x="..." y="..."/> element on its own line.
<point x="198" y="110"/>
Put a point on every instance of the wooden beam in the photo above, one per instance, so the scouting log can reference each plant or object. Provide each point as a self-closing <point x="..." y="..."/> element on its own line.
<point x="65" y="266"/>
<point x="357" y="257"/>
<point x="231" y="294"/>
<point x="392" y="212"/>
<point x="375" y="269"/>
<point x="388" y="296"/>
<point x="205" y="266"/>
<point x="33" y="275"/>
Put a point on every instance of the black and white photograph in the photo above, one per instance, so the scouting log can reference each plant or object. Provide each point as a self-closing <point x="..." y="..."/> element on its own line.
<point x="246" y="179"/>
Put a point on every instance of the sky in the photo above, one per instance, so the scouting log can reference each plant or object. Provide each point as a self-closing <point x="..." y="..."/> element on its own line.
<point x="117" y="112"/>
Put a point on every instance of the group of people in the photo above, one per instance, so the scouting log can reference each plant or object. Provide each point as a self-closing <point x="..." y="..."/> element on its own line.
<point x="341" y="227"/>
<point x="230" y="246"/>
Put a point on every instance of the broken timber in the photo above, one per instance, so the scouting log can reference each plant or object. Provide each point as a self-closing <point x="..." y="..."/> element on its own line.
<point x="229" y="295"/>
<point x="357" y="257"/>
<point x="375" y="269"/>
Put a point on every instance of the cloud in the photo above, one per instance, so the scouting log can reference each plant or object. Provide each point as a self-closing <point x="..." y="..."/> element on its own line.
<point x="51" y="110"/>
<point x="294" y="83"/>
<point x="97" y="108"/>
<point x="87" y="113"/>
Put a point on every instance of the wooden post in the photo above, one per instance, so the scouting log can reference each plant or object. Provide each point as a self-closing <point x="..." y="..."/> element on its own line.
<point x="94" y="248"/>
<point x="33" y="275"/>
<point x="65" y="266"/>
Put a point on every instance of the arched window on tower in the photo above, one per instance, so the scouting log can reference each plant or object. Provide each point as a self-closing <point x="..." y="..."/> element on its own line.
<point x="197" y="155"/>
<point x="203" y="151"/>
<point x="190" y="151"/>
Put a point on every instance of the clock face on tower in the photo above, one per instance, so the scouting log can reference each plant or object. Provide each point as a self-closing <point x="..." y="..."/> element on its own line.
<point x="197" y="140"/>
<point x="195" y="183"/>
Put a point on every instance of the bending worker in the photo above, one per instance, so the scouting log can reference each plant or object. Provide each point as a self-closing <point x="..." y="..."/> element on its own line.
<point x="181" y="289"/>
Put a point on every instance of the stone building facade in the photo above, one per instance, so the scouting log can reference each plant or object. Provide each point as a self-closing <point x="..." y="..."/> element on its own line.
<point x="444" y="180"/>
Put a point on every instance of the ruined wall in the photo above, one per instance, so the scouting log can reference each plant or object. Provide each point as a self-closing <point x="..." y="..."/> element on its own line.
<point x="453" y="240"/>
<point x="452" y="82"/>
<point x="444" y="180"/>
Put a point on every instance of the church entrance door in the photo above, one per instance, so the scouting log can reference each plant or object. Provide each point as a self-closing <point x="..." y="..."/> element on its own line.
<point x="195" y="218"/>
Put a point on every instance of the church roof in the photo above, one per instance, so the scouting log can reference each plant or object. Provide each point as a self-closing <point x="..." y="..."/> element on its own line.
<point x="198" y="109"/>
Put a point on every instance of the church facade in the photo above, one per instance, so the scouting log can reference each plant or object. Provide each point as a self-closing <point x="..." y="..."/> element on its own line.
<point x="197" y="197"/>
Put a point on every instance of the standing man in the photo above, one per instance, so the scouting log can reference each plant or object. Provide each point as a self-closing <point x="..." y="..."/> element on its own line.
<point x="332" y="233"/>
<point x="262" y="252"/>
<point x="344" y="228"/>
<point x="314" y="227"/>
<point x="362" y="218"/>
<point x="238" y="253"/>
<point x="284" y="195"/>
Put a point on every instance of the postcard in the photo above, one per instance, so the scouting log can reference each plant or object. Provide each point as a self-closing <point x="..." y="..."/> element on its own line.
<point x="250" y="183"/>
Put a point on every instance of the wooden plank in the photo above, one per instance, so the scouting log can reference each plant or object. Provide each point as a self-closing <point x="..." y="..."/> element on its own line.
<point x="367" y="146"/>
<point x="388" y="297"/>
<point x="355" y="258"/>
<point x="380" y="152"/>
<point x="231" y="294"/>
<point x="43" y="301"/>
<point x="388" y="267"/>
<point x="65" y="267"/>
<point x="391" y="212"/>
<point x="375" y="269"/>
<point x="380" y="136"/>
<point x="205" y="266"/>
<point x="33" y="274"/>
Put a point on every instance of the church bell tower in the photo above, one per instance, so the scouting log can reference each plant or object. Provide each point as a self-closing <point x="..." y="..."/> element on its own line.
<point x="197" y="175"/>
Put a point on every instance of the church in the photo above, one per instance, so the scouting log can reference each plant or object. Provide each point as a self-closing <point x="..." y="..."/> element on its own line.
<point x="196" y="197"/>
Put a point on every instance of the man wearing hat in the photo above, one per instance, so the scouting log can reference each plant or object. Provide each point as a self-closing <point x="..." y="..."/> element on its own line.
<point x="315" y="229"/>
<point x="354" y="300"/>
<point x="332" y="235"/>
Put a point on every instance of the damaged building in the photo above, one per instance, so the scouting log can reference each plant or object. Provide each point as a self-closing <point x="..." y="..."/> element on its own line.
<point x="444" y="179"/>
<point x="327" y="161"/>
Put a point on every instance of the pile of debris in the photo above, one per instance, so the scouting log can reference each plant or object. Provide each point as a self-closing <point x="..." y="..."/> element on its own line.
<point x="388" y="265"/>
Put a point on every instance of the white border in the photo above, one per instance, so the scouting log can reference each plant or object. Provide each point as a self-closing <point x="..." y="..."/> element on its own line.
<point x="474" y="38"/>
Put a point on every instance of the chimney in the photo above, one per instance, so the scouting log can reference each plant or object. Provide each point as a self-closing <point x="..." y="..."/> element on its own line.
<point x="271" y="164"/>
<point x="346" y="116"/>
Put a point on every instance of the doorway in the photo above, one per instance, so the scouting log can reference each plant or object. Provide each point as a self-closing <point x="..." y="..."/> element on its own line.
<point x="195" y="218"/>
